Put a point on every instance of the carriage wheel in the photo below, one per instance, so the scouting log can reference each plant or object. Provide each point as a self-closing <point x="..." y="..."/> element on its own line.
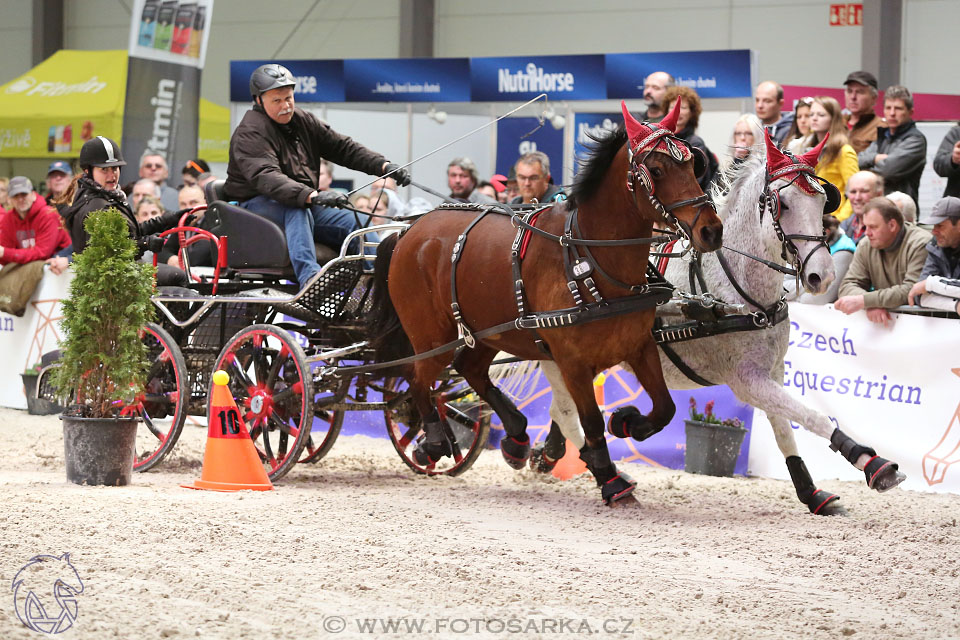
<point x="163" y="403"/>
<point x="271" y="383"/>
<point x="467" y="425"/>
<point x="326" y="428"/>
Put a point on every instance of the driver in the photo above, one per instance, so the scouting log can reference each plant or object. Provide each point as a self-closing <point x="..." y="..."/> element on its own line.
<point x="275" y="161"/>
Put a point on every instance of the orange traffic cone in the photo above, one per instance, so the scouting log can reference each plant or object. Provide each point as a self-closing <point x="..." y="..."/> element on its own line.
<point x="230" y="461"/>
<point x="570" y="465"/>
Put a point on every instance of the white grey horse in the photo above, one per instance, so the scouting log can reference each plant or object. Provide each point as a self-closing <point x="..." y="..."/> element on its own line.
<point x="774" y="203"/>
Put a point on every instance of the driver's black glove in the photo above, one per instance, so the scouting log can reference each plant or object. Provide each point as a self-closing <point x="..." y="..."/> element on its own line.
<point x="402" y="176"/>
<point x="150" y="243"/>
<point x="334" y="199"/>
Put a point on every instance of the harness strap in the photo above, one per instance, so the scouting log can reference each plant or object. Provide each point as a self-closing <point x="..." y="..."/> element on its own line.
<point x="684" y="368"/>
<point x="767" y="311"/>
<point x="462" y="327"/>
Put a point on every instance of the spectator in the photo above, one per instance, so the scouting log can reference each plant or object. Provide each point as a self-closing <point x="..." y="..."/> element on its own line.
<point x="190" y="197"/>
<point x="490" y="190"/>
<point x="943" y="255"/>
<point x="688" y="119"/>
<point x="747" y="134"/>
<point x="30" y="232"/>
<point x="379" y="208"/>
<point x="360" y="201"/>
<point x="31" y="229"/>
<point x="58" y="179"/>
<point x="860" y="98"/>
<point x="513" y="190"/>
<point x="148" y="208"/>
<point x="768" y="102"/>
<point x="462" y="178"/>
<point x="192" y="171"/>
<point x="383" y="183"/>
<point x="838" y="160"/>
<point x="324" y="176"/>
<point x="142" y="188"/>
<point x="886" y="264"/>
<point x="900" y="151"/>
<point x="533" y="179"/>
<point x="4" y="195"/>
<point x="842" y="249"/>
<point x="796" y="141"/>
<point x="153" y="166"/>
<point x="908" y="208"/>
<point x="655" y="86"/>
<point x="274" y="167"/>
<point x="862" y="187"/>
<point x="97" y="187"/>
<point x="947" y="161"/>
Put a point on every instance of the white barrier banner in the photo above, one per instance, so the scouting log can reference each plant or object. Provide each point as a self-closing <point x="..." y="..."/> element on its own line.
<point x="23" y="340"/>
<point x="894" y="389"/>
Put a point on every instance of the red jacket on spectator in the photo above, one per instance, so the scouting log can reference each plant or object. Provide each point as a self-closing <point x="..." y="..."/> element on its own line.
<point x="38" y="236"/>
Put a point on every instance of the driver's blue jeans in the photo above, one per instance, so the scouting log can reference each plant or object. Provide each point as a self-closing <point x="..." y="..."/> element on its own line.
<point x="303" y="227"/>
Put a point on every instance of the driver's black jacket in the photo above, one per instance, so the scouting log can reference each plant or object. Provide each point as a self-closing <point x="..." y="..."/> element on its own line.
<point x="282" y="162"/>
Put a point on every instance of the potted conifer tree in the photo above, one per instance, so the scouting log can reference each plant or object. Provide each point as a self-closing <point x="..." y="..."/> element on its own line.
<point x="103" y="360"/>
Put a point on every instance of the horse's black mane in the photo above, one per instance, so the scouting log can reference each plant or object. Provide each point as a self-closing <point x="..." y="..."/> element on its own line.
<point x="594" y="164"/>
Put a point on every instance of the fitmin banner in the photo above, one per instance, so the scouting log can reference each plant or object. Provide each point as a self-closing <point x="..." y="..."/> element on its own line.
<point x="896" y="390"/>
<point x="167" y="49"/>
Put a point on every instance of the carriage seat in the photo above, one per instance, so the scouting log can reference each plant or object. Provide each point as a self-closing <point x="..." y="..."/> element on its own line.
<point x="254" y="243"/>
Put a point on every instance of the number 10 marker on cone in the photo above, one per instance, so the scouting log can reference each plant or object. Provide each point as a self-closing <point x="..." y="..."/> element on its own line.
<point x="230" y="461"/>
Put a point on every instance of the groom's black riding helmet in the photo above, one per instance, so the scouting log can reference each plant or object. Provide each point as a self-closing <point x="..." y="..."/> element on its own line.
<point x="270" y="76"/>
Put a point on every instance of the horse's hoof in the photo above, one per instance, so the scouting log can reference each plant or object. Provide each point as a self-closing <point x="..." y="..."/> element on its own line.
<point x="617" y="488"/>
<point x="539" y="461"/>
<point x="625" y="502"/>
<point x="428" y="453"/>
<point x="619" y="424"/>
<point x="883" y="474"/>
<point x="824" y="503"/>
<point x="515" y="452"/>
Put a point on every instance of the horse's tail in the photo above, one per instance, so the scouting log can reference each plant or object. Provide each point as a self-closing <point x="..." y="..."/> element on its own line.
<point x="387" y="335"/>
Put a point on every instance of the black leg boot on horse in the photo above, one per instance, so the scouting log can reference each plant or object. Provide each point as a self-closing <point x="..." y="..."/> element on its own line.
<point x="436" y="442"/>
<point x="545" y="455"/>
<point x="820" y="502"/>
<point x="614" y="485"/>
<point x="881" y="474"/>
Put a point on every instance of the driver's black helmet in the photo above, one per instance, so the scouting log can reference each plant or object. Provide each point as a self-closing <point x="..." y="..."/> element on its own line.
<point x="101" y="152"/>
<point x="270" y="76"/>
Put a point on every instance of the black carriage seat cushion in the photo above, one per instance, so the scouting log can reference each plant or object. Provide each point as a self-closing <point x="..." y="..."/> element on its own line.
<point x="253" y="242"/>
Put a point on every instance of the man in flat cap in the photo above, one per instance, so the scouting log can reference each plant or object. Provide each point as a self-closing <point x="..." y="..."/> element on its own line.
<point x="939" y="283"/>
<point x="860" y="98"/>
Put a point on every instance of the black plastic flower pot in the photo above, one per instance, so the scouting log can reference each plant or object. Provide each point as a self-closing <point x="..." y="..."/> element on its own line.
<point x="37" y="406"/>
<point x="99" y="451"/>
<point x="712" y="449"/>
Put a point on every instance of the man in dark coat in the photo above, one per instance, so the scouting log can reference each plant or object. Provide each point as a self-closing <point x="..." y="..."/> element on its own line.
<point x="275" y="158"/>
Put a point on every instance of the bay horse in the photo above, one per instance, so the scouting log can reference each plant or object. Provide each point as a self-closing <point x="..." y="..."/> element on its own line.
<point x="639" y="176"/>
<point x="773" y="210"/>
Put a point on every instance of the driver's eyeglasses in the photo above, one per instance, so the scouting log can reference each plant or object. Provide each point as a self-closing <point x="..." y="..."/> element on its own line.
<point x="153" y="166"/>
<point x="533" y="178"/>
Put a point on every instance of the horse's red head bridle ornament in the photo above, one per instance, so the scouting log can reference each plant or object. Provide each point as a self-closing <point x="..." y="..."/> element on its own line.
<point x="645" y="138"/>
<point x="798" y="170"/>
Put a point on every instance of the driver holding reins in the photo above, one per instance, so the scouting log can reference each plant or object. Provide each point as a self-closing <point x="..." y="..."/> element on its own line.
<point x="275" y="159"/>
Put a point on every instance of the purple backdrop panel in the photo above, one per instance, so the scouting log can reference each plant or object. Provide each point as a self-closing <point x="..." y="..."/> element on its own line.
<point x="665" y="449"/>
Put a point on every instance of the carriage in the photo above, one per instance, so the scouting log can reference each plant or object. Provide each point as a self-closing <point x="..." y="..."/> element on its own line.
<point x="279" y="345"/>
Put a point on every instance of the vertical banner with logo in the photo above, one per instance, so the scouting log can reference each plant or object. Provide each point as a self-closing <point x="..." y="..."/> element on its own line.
<point x="587" y="128"/>
<point x="168" y="46"/>
<point x="517" y="136"/>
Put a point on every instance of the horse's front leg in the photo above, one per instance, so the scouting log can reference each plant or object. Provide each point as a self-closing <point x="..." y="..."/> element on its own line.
<point x="756" y="388"/>
<point x="614" y="486"/>
<point x="628" y="422"/>
<point x="820" y="502"/>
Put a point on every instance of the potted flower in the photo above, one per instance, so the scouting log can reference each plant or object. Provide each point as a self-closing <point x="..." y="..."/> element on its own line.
<point x="713" y="445"/>
<point x="36" y="406"/>
<point x="103" y="359"/>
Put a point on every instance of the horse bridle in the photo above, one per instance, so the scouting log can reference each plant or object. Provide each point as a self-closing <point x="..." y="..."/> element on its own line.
<point x="770" y="199"/>
<point x="639" y="172"/>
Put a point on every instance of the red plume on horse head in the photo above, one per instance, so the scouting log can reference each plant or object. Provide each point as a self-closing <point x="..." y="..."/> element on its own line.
<point x="776" y="159"/>
<point x="813" y="156"/>
<point x="670" y="120"/>
<point x="636" y="130"/>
